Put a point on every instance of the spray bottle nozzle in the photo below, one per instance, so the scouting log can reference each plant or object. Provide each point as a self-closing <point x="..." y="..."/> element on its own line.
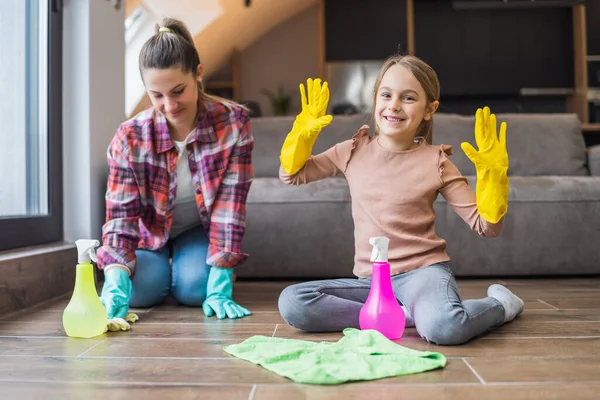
<point x="86" y="250"/>
<point x="380" y="248"/>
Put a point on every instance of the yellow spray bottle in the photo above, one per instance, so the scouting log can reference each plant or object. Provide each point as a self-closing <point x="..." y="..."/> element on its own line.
<point x="85" y="316"/>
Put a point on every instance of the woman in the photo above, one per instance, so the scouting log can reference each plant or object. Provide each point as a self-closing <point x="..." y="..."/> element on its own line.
<point x="179" y="174"/>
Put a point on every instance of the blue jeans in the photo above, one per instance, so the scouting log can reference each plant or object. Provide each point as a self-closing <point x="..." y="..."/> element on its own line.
<point x="186" y="275"/>
<point x="431" y="295"/>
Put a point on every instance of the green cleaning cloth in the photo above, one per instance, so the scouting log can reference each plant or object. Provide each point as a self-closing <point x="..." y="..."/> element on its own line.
<point x="359" y="355"/>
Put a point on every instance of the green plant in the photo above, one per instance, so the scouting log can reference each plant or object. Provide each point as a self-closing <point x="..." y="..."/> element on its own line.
<point x="280" y="100"/>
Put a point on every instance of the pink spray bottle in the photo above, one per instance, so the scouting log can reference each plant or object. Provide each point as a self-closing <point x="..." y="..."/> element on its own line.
<point x="382" y="311"/>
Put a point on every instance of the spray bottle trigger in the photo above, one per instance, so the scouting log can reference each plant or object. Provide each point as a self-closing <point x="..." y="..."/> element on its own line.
<point x="92" y="254"/>
<point x="86" y="250"/>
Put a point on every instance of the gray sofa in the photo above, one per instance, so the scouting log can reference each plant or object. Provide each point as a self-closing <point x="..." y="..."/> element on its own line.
<point x="552" y="226"/>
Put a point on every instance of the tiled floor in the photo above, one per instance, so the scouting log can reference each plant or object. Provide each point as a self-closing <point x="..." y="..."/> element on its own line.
<point x="551" y="352"/>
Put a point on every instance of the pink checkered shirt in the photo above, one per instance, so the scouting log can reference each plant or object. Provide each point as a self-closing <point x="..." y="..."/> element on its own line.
<point x="142" y="184"/>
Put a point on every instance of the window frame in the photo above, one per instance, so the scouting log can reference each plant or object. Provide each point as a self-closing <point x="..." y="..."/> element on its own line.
<point x="22" y="231"/>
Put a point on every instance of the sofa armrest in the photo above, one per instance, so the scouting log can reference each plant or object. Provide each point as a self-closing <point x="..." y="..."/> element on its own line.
<point x="594" y="159"/>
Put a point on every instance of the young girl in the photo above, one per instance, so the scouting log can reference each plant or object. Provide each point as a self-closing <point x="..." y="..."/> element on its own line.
<point x="394" y="178"/>
<point x="179" y="174"/>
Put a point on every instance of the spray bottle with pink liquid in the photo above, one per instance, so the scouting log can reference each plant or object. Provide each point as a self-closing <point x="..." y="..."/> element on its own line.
<point x="382" y="311"/>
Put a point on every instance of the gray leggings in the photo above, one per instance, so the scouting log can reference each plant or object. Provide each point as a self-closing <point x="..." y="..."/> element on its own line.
<point x="430" y="294"/>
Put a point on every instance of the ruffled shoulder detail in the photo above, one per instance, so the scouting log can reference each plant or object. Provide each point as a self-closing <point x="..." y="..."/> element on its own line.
<point x="446" y="148"/>
<point x="358" y="139"/>
<point x="444" y="152"/>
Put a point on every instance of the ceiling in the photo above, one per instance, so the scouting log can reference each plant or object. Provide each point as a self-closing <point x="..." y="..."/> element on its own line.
<point x="219" y="26"/>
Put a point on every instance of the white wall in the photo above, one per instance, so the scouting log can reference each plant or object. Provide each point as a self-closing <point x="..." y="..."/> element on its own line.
<point x="93" y="108"/>
<point x="285" y="55"/>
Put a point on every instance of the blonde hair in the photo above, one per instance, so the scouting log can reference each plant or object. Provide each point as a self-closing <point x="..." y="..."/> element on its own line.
<point x="171" y="45"/>
<point x="426" y="77"/>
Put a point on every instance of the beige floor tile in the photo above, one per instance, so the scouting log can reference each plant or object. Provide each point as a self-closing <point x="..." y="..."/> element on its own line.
<point x="557" y="283"/>
<point x="174" y="352"/>
<point x="224" y="329"/>
<point x="196" y="316"/>
<point x="62" y="391"/>
<point x="567" y="303"/>
<point x="555" y="315"/>
<point x="381" y="391"/>
<point x="522" y="327"/>
<point x="33" y="328"/>
<point x="215" y="371"/>
<point x="254" y="306"/>
<point x="117" y="347"/>
<point x="567" y="370"/>
<point x="557" y="294"/>
<point x="24" y="346"/>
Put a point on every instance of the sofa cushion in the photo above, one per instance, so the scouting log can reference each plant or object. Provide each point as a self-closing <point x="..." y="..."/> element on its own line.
<point x="594" y="160"/>
<point x="548" y="189"/>
<point x="298" y="232"/>
<point x="272" y="190"/>
<point x="551" y="228"/>
<point x="537" y="144"/>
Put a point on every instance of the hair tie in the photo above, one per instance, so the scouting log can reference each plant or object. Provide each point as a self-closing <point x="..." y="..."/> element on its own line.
<point x="165" y="29"/>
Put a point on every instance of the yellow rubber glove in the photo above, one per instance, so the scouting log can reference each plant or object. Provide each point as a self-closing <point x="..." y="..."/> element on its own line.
<point x="491" y="162"/>
<point x="121" y="324"/>
<point x="298" y="144"/>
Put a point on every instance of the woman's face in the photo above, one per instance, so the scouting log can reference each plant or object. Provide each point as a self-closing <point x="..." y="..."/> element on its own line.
<point x="174" y="93"/>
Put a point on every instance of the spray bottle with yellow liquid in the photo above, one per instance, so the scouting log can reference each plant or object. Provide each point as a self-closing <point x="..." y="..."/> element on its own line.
<point x="85" y="316"/>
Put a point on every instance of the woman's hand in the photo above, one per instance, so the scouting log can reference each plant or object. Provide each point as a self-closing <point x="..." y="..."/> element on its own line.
<point x="218" y="295"/>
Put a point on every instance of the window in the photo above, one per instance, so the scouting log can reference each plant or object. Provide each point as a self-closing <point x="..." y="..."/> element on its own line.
<point x="30" y="123"/>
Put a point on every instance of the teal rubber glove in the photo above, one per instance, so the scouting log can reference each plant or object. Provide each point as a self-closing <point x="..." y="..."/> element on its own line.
<point x="218" y="295"/>
<point x="116" y="293"/>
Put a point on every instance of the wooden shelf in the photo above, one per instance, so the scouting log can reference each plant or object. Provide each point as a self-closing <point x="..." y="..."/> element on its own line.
<point x="546" y="91"/>
<point x="591" y="128"/>
<point x="231" y="82"/>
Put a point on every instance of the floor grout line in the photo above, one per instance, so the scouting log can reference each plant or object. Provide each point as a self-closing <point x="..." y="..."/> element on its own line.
<point x="103" y="340"/>
<point x="31" y="337"/>
<point x="230" y="384"/>
<point x="474" y="372"/>
<point x="204" y="323"/>
<point x="538" y="337"/>
<point x="252" y="392"/>
<point x="463" y="358"/>
<point x="274" y="330"/>
<point x="128" y="338"/>
<point x="549" y="305"/>
<point x="117" y="357"/>
<point x="568" y="322"/>
<point x="221" y="338"/>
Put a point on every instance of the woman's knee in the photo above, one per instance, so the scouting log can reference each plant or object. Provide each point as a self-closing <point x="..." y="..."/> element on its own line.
<point x="190" y="293"/>
<point x="152" y="280"/>
<point x="190" y="271"/>
<point x="190" y="282"/>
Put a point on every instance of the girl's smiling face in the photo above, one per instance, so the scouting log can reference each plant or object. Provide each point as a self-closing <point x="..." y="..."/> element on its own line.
<point x="400" y="106"/>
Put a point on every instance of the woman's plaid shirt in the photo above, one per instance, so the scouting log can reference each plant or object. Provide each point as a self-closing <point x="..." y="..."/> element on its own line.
<point x="142" y="184"/>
